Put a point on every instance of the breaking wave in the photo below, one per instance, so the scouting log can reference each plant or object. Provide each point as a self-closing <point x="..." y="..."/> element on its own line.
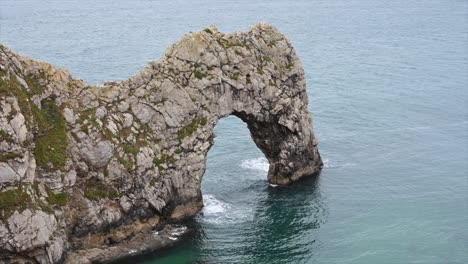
<point x="258" y="164"/>
<point x="216" y="211"/>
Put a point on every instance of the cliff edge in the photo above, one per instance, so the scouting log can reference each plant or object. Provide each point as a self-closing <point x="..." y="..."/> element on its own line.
<point x="86" y="168"/>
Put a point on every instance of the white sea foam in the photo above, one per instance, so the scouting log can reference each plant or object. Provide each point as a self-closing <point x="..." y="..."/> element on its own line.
<point x="327" y="164"/>
<point x="334" y="164"/>
<point x="216" y="211"/>
<point x="259" y="164"/>
<point x="214" y="206"/>
<point x="178" y="231"/>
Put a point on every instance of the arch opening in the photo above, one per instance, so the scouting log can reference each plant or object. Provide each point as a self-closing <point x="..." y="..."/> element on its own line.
<point x="231" y="157"/>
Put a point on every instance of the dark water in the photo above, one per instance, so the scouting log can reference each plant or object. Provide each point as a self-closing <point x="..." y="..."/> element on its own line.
<point x="388" y="86"/>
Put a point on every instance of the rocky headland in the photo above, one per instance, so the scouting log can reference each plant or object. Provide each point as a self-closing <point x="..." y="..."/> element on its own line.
<point x="92" y="173"/>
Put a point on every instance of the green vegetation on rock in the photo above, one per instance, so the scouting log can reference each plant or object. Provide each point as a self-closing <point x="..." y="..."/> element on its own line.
<point x="50" y="138"/>
<point x="130" y="149"/>
<point x="96" y="190"/>
<point x="51" y="143"/>
<point x="90" y="115"/>
<point x="164" y="159"/>
<point x="233" y="43"/>
<point x="235" y="76"/>
<point x="289" y="66"/>
<point x="128" y="164"/>
<point x="34" y="85"/>
<point x="192" y="127"/>
<point x="11" y="200"/>
<point x="11" y="86"/>
<point x="9" y="156"/>
<point x="4" y="136"/>
<point x="59" y="199"/>
<point x="207" y="30"/>
<point x="199" y="75"/>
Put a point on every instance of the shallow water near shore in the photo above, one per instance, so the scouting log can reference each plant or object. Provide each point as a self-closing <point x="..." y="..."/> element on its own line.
<point x="388" y="87"/>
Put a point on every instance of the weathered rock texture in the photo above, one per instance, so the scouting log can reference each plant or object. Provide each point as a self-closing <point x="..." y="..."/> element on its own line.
<point x="80" y="165"/>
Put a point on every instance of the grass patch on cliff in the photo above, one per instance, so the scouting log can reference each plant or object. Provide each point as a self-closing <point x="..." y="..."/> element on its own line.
<point x="96" y="190"/>
<point x="51" y="144"/>
<point x="9" y="156"/>
<point x="3" y="84"/>
<point x="130" y="149"/>
<point x="207" y="30"/>
<point x="191" y="127"/>
<point x="4" y="136"/>
<point x="127" y="163"/>
<point x="232" y="43"/>
<point x="11" y="200"/>
<point x="235" y="76"/>
<point x="33" y="83"/>
<point x="50" y="135"/>
<point x="60" y="199"/>
<point x="12" y="87"/>
<point x="90" y="115"/>
<point x="163" y="159"/>
<point x="199" y="75"/>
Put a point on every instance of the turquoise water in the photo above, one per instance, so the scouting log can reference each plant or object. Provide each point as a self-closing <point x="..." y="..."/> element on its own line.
<point x="388" y="87"/>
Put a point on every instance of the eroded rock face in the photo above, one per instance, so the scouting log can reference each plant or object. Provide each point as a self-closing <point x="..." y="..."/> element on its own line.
<point x="78" y="161"/>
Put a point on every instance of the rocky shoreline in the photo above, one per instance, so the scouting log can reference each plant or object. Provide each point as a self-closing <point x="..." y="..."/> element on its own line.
<point x="139" y="244"/>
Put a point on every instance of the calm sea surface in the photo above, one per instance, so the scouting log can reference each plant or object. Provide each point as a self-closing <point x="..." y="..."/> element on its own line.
<point x="388" y="87"/>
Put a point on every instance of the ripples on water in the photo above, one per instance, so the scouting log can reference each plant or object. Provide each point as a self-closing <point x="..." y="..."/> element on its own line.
<point x="388" y="88"/>
<point x="270" y="221"/>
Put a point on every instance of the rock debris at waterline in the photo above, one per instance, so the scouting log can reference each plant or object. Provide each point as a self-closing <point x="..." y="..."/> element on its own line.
<point x="86" y="171"/>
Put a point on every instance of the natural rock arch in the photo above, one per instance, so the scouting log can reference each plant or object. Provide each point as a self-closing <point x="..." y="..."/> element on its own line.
<point x="88" y="160"/>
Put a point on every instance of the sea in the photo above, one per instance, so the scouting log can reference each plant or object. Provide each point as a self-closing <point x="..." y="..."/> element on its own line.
<point x="388" y="88"/>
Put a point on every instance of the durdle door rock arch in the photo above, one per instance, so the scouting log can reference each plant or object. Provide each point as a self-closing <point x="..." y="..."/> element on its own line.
<point x="84" y="169"/>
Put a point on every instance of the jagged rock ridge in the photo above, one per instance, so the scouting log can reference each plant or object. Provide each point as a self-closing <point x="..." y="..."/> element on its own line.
<point x="88" y="166"/>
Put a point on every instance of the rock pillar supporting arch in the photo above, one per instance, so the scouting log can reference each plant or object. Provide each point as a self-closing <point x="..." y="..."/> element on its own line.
<point x="291" y="154"/>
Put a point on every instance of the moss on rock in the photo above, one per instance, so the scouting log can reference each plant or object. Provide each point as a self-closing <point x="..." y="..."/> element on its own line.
<point x="11" y="200"/>
<point x="130" y="149"/>
<point x="51" y="143"/>
<point x="4" y="136"/>
<point x="96" y="190"/>
<point x="199" y="75"/>
<point x="207" y="30"/>
<point x="59" y="199"/>
<point x="163" y="159"/>
<point x="192" y="127"/>
<point x="8" y="156"/>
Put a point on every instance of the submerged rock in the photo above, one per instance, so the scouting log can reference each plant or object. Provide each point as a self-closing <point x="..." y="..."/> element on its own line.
<point x="87" y="167"/>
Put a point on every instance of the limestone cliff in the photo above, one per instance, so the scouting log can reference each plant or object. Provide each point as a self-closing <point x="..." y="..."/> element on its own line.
<point x="88" y="166"/>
